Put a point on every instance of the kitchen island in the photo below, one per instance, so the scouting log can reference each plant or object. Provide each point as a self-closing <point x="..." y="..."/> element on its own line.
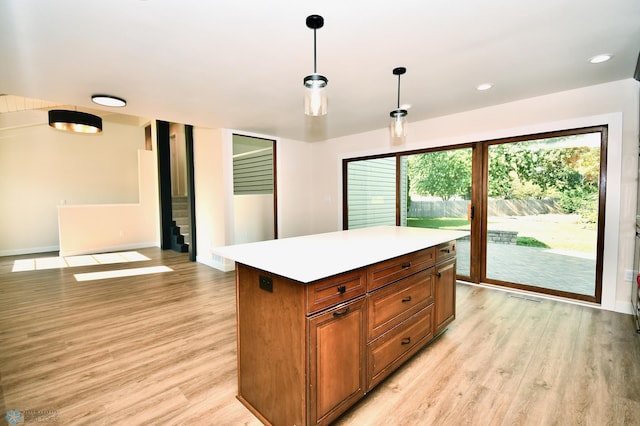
<point x="322" y="319"/>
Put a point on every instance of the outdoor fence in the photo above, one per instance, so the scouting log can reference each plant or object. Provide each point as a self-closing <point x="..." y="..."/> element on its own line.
<point x="459" y="208"/>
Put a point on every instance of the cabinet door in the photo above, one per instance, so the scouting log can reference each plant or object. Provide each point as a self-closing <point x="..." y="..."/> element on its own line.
<point x="445" y="294"/>
<point x="337" y="358"/>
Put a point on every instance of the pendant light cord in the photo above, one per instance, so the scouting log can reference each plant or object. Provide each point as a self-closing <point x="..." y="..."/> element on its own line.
<point x="314" y="51"/>
<point x="398" y="91"/>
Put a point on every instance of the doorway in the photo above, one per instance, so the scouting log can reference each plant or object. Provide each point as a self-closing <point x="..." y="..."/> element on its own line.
<point x="176" y="181"/>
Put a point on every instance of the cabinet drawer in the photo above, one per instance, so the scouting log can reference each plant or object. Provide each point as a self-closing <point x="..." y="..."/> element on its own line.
<point x="383" y="353"/>
<point x="446" y="251"/>
<point x="391" y="270"/>
<point x="333" y="290"/>
<point x="393" y="304"/>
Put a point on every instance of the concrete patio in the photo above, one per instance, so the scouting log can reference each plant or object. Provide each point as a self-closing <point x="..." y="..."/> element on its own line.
<point x="540" y="267"/>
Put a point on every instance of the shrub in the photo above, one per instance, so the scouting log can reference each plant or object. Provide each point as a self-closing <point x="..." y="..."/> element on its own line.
<point x="580" y="201"/>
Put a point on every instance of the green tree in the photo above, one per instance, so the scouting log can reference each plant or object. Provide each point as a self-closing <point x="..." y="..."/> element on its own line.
<point x="541" y="169"/>
<point x="442" y="174"/>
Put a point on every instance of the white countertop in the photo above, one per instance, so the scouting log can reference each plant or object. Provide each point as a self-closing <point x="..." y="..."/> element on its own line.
<point x="313" y="257"/>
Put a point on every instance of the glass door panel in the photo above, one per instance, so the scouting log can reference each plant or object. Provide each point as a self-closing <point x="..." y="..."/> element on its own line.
<point x="542" y="214"/>
<point x="371" y="192"/>
<point x="439" y="187"/>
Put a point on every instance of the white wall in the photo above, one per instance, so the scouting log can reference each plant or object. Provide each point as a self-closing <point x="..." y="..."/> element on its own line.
<point x="253" y="218"/>
<point x="96" y="228"/>
<point x="615" y="104"/>
<point x="295" y="185"/>
<point x="213" y="227"/>
<point x="215" y="203"/>
<point x="41" y="168"/>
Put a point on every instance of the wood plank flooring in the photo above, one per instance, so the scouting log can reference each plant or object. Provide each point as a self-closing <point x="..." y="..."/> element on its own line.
<point x="161" y="349"/>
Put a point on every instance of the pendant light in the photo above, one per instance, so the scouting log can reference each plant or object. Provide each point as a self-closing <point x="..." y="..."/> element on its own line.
<point x="398" y="125"/>
<point x="75" y="121"/>
<point x="315" y="99"/>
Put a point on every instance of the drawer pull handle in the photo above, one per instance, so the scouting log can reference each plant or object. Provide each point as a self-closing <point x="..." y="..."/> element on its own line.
<point x="445" y="250"/>
<point x="341" y="313"/>
<point x="406" y="341"/>
<point x="342" y="289"/>
<point x="406" y="299"/>
<point x="406" y="265"/>
<point x="439" y="274"/>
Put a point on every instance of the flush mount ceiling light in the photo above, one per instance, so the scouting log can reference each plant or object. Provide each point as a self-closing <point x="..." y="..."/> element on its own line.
<point x="108" y="100"/>
<point x="484" y="86"/>
<point x="398" y="125"/>
<point x="598" y="59"/>
<point x="315" y="99"/>
<point x="75" y="121"/>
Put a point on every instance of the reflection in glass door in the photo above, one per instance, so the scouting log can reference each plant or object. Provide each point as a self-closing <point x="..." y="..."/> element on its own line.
<point x="542" y="214"/>
<point x="440" y="195"/>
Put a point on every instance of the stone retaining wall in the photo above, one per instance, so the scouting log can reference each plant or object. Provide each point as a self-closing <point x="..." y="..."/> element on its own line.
<point x="500" y="237"/>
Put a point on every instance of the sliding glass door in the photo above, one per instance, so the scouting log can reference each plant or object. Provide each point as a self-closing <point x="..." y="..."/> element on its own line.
<point x="534" y="206"/>
<point x="439" y="184"/>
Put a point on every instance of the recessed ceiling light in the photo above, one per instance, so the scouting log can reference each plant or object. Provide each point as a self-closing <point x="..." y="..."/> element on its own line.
<point x="108" y="100"/>
<point x="484" y="86"/>
<point x="600" y="58"/>
<point x="405" y="106"/>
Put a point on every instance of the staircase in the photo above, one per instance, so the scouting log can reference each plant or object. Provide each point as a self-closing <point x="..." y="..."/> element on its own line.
<point x="180" y="224"/>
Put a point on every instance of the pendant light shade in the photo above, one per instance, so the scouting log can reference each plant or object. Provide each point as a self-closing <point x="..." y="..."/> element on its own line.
<point x="75" y="121"/>
<point x="398" y="124"/>
<point x="315" y="99"/>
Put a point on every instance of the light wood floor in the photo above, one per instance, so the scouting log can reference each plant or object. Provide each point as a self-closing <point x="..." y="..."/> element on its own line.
<point x="161" y="349"/>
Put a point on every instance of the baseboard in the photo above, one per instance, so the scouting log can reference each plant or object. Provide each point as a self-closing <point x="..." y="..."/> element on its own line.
<point x="217" y="262"/>
<point x="108" y="249"/>
<point x="624" y="307"/>
<point x="30" y="250"/>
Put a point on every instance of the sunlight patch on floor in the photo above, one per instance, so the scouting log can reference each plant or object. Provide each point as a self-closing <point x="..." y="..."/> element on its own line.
<point x="121" y="273"/>
<point x="41" y="263"/>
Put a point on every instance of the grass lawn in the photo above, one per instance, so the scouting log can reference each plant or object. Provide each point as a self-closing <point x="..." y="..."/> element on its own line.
<point x="556" y="231"/>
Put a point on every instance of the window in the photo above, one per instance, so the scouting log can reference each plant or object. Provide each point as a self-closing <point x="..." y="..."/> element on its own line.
<point x="252" y="166"/>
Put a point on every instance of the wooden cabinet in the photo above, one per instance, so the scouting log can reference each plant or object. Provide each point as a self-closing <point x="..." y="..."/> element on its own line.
<point x="308" y="352"/>
<point x="445" y="287"/>
<point x="336" y="348"/>
<point x="445" y="294"/>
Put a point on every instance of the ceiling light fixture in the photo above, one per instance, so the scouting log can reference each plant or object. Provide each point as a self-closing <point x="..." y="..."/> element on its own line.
<point x="484" y="86"/>
<point x="398" y="125"/>
<point x="75" y="121"/>
<point x="315" y="99"/>
<point x="108" y="100"/>
<point x="598" y="59"/>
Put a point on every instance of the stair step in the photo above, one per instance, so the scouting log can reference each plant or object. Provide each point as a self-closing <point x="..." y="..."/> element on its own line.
<point x="181" y="224"/>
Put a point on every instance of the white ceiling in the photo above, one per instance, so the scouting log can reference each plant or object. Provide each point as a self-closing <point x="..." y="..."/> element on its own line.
<point x="240" y="64"/>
